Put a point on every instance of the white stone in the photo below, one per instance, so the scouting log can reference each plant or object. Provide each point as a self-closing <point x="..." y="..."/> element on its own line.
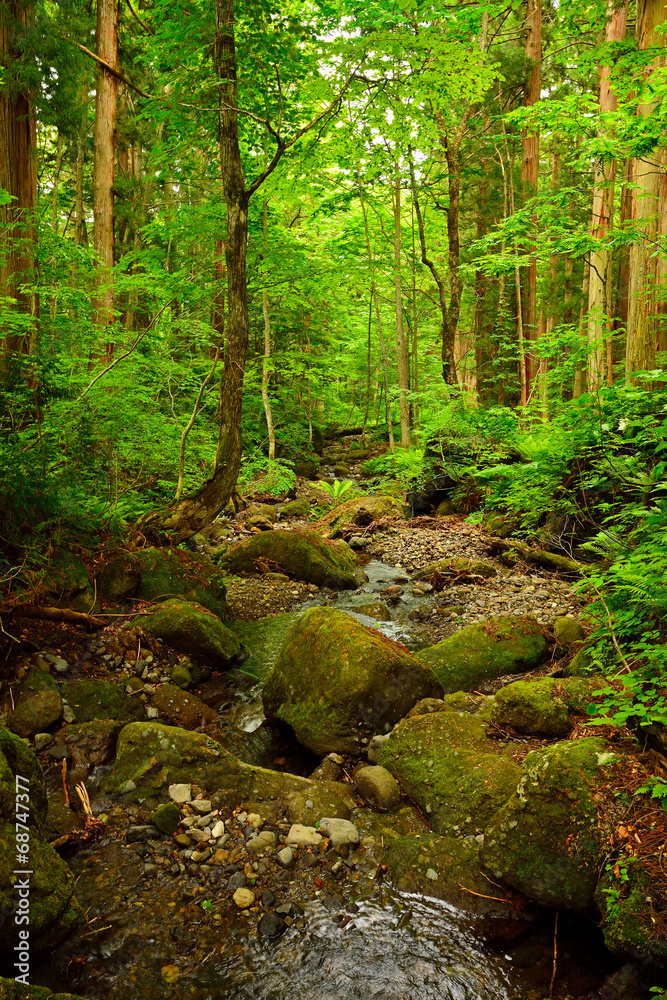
<point x="151" y="713"/>
<point x="202" y="806"/>
<point x="303" y="836"/>
<point x="218" y="829"/>
<point x="180" y="793"/>
<point x="254" y="819"/>
<point x="339" y="831"/>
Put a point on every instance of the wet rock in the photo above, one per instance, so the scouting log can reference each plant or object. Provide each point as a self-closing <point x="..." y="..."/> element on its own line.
<point x="628" y="904"/>
<point x="140" y="834"/>
<point x="307" y="466"/>
<point x="182" y="709"/>
<point x="336" y="681"/>
<point x="533" y="708"/>
<point x="181" y="676"/>
<point x="375" y="609"/>
<point x="446" y="763"/>
<point x="305" y="555"/>
<point x="483" y="652"/>
<point x="190" y="628"/>
<point x="168" y="573"/>
<point x="271" y="926"/>
<point x="303" y="836"/>
<point x="549" y="840"/>
<point x="54" y="912"/>
<point x="42" y="740"/>
<point x="378" y="787"/>
<point x="340" y="832"/>
<point x="357" y="543"/>
<point x="91" y="744"/>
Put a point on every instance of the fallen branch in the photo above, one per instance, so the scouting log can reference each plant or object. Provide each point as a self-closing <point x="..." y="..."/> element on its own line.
<point x="481" y="895"/>
<point x="548" y="560"/>
<point x="92" y="622"/>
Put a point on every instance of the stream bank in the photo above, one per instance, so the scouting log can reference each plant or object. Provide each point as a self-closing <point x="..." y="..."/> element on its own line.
<point x="344" y="923"/>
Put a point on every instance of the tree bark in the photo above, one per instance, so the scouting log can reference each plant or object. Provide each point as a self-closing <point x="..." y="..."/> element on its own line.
<point x="18" y="176"/>
<point x="644" y="318"/>
<point x="266" y="361"/>
<point x="402" y="356"/>
<point x="530" y="163"/>
<point x="600" y="279"/>
<point x="103" y="168"/>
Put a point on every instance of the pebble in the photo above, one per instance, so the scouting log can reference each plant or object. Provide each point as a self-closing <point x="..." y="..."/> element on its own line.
<point x="286" y="857"/>
<point x="261" y="842"/>
<point x="218" y="829"/>
<point x="431" y="874"/>
<point x="42" y="740"/>
<point x="201" y="806"/>
<point x="271" y="926"/>
<point x="244" y="898"/>
<point x="236" y="881"/>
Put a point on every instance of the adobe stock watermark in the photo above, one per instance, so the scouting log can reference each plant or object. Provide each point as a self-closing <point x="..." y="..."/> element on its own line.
<point x="22" y="884"/>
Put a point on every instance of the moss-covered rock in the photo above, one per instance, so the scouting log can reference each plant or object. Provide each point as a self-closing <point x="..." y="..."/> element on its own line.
<point x="309" y="807"/>
<point x="11" y="990"/>
<point x="455" y="862"/>
<point x="533" y="708"/>
<point x="263" y="640"/>
<point x="91" y="744"/>
<point x="361" y="512"/>
<point x="337" y="681"/>
<point x="119" y="577"/>
<point x="374" y="609"/>
<point x="548" y="841"/>
<point x="69" y="585"/>
<point x="54" y="912"/>
<point x="476" y="567"/>
<point x="307" y="465"/>
<point x="169" y="573"/>
<point x="626" y="898"/>
<point x="483" y="652"/>
<point x="295" y="508"/>
<point x="93" y="698"/>
<point x="192" y="629"/>
<point x="166" y="817"/>
<point x="568" y="630"/>
<point x="179" y="708"/>
<point x="36" y="713"/>
<point x="446" y="763"/>
<point x="305" y="555"/>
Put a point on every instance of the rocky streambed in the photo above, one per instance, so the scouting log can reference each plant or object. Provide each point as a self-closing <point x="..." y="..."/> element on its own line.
<point x="298" y="805"/>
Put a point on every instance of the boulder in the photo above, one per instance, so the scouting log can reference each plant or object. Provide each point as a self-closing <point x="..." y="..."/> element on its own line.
<point x="120" y="577"/>
<point x="362" y="512"/>
<point x="35" y="713"/>
<point x="336" y="681"/>
<point x="263" y="640"/>
<point x="374" y="609"/>
<point x="92" y="698"/>
<point x="11" y="990"/>
<point x="533" y="708"/>
<point x="483" y="652"/>
<point x="169" y="573"/>
<point x="498" y="914"/>
<point x="54" y="912"/>
<point x="305" y="555"/>
<point x="179" y="708"/>
<point x="91" y="744"/>
<point x="191" y="628"/>
<point x="295" y="508"/>
<point x="69" y="585"/>
<point x="446" y="763"/>
<point x="309" y="807"/>
<point x="307" y="466"/>
<point x="568" y="630"/>
<point x="340" y="832"/>
<point x="550" y="839"/>
<point x="625" y="896"/>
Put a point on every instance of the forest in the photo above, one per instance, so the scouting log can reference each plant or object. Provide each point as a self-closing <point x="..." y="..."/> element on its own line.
<point x="290" y="292"/>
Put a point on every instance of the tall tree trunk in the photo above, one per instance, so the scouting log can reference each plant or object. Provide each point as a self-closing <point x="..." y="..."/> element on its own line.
<point x="530" y="163"/>
<point x="266" y="361"/>
<point x="644" y="295"/>
<point x="402" y="357"/>
<point x="18" y="176"/>
<point x="103" y="168"/>
<point x="600" y="278"/>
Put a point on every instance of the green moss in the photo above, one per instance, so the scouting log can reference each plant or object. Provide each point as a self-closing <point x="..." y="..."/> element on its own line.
<point x="192" y="629"/>
<point x="547" y="841"/>
<point x="295" y="508"/>
<point x="362" y="512"/>
<point x="336" y="681"/>
<point x="305" y="555"/>
<point x="175" y="573"/>
<point x="446" y="763"/>
<point x="484" y="652"/>
<point x="627" y="902"/>
<point x="92" y="698"/>
<point x="11" y="990"/>
<point x="17" y="758"/>
<point x="120" y="577"/>
<point x="166" y="817"/>
<point x="532" y="708"/>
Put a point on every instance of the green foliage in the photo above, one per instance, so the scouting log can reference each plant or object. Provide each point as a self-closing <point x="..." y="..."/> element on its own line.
<point x="261" y="475"/>
<point x="338" y="488"/>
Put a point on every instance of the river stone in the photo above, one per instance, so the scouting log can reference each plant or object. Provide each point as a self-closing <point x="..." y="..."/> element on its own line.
<point x="533" y="708"/>
<point x="90" y="744"/>
<point x="305" y="555"/>
<point x="307" y="466"/>
<point x="244" y="898"/>
<point x="456" y="862"/>
<point x="375" y="748"/>
<point x="168" y="573"/>
<point x="262" y="842"/>
<point x="192" y="629"/>
<point x="446" y="763"/>
<point x="308" y="807"/>
<point x="93" y="698"/>
<point x="550" y="839"/>
<point x="179" y="708"/>
<point x="337" y="681"/>
<point x="361" y="512"/>
<point x="167" y="817"/>
<point x="303" y="836"/>
<point x="568" y="630"/>
<point x="120" y="577"/>
<point x="181" y="676"/>
<point x="340" y="832"/>
<point x="36" y="712"/>
<point x="271" y="926"/>
<point x="483" y="652"/>
<point x="378" y="788"/>
<point x="54" y="912"/>
<point x="285" y="858"/>
<point x="374" y="609"/>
